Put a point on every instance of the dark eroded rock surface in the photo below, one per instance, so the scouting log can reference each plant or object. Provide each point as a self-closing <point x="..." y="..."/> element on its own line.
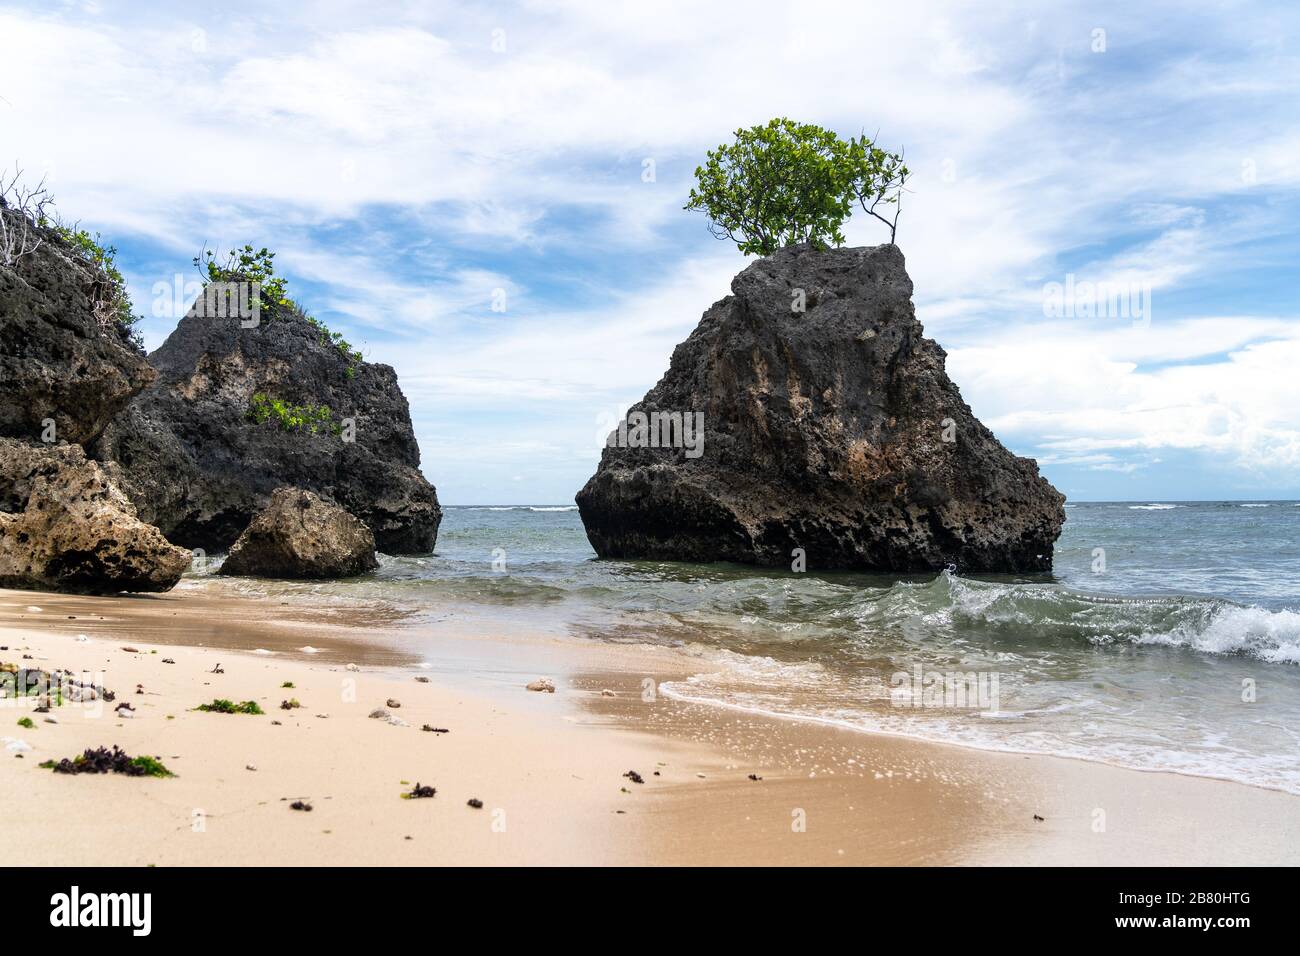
<point x="199" y="467"/>
<point x="58" y="361"/>
<point x="823" y="431"/>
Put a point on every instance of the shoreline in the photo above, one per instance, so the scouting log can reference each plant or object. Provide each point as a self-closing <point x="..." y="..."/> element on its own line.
<point x="553" y="764"/>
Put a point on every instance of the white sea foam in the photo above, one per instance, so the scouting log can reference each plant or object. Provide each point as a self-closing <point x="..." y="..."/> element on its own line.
<point x="521" y="508"/>
<point x="808" y="692"/>
<point x="1272" y="636"/>
<point x="1152" y="507"/>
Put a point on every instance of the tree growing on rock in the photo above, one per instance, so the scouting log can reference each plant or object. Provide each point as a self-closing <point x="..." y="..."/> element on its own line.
<point x="787" y="182"/>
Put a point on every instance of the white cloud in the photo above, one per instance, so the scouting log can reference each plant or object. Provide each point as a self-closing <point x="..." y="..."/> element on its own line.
<point x="1082" y="393"/>
<point x="397" y="130"/>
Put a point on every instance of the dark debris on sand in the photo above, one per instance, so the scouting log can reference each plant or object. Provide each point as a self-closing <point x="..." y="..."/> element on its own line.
<point x="420" y="792"/>
<point x="103" y="760"/>
<point x="634" y="776"/>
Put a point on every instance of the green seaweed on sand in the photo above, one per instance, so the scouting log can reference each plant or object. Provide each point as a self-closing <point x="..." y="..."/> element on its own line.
<point x="103" y="760"/>
<point x="26" y="722"/>
<point x="222" y="706"/>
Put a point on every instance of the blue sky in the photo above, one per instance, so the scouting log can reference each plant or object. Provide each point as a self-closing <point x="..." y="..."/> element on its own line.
<point x="410" y="162"/>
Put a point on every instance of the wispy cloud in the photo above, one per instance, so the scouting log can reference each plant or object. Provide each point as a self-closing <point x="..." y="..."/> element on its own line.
<point x="409" y="161"/>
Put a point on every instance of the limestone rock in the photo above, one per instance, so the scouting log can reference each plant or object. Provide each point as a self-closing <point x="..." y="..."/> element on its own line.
<point x="831" y="436"/>
<point x="59" y="362"/>
<point x="300" y="535"/>
<point x="192" y="456"/>
<point x="64" y="526"/>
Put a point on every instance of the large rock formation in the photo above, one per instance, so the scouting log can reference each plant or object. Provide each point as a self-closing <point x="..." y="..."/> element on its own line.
<point x="66" y="368"/>
<point x="834" y="430"/>
<point x="65" y="527"/>
<point x="299" y="535"/>
<point x="197" y="461"/>
<point x="59" y="362"/>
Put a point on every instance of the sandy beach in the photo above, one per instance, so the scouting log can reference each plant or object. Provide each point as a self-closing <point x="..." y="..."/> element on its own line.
<point x="548" y="768"/>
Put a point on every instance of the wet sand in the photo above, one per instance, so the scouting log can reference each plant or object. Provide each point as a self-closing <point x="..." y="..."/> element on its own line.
<point x="548" y="767"/>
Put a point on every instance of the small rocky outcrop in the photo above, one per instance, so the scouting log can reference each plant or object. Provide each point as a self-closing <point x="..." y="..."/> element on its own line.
<point x="60" y="362"/>
<point x="64" y="526"/>
<point x="239" y="411"/>
<point x="831" y="433"/>
<point x="300" y="535"/>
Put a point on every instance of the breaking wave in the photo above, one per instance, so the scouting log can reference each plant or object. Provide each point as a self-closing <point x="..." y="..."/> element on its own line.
<point x="978" y="609"/>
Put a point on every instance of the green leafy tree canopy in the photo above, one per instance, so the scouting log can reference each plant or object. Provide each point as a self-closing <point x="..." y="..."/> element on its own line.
<point x="788" y="182"/>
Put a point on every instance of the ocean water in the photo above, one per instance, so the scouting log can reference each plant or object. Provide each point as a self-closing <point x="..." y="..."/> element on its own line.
<point x="1180" y="653"/>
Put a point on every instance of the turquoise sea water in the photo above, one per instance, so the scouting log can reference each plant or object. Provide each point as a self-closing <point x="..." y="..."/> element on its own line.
<point x="1182" y="654"/>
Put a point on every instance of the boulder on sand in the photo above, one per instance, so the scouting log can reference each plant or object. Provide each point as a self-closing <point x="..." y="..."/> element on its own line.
<point x="300" y="535"/>
<point x="831" y="436"/>
<point x="64" y="526"/>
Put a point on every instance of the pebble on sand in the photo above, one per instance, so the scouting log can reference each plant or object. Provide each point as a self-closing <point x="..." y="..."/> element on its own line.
<point x="544" y="685"/>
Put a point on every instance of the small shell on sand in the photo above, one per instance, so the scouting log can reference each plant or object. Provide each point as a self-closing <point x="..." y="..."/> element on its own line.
<point x="543" y="684"/>
<point x="309" y="649"/>
<point x="352" y="667"/>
